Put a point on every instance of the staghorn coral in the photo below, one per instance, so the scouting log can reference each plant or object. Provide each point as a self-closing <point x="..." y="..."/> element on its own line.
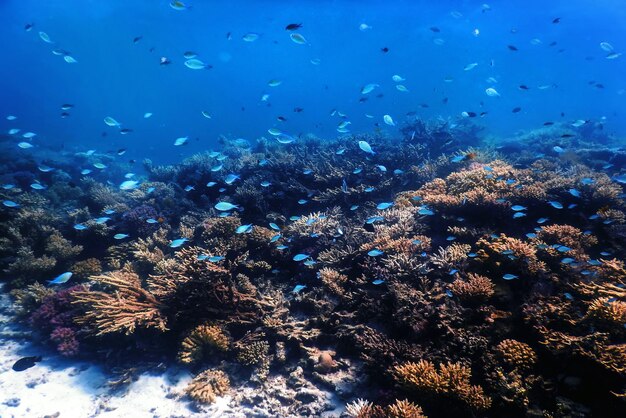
<point x="449" y="380"/>
<point x="254" y="353"/>
<point x="200" y="342"/>
<point x="129" y="306"/>
<point x="208" y="385"/>
<point x="86" y="268"/>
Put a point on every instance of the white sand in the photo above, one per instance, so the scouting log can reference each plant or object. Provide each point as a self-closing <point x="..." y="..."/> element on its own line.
<point x="78" y="389"/>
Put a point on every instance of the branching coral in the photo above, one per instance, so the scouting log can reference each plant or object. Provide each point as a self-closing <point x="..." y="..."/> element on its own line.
<point x="124" y="307"/>
<point x="449" y="380"/>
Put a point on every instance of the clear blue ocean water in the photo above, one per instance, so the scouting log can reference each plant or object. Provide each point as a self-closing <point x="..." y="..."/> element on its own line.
<point x="562" y="64"/>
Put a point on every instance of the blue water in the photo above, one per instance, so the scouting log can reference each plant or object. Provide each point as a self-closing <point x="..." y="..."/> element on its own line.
<point x="118" y="78"/>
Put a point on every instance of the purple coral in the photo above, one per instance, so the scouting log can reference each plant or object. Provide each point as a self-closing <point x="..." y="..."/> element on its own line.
<point x="55" y="318"/>
<point x="134" y="220"/>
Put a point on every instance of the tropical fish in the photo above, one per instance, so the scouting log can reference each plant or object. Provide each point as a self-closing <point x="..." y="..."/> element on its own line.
<point x="37" y="186"/>
<point x="44" y="37"/>
<point x="274" y="83"/>
<point x="365" y="146"/>
<point x="509" y="276"/>
<point x="250" y="37"/>
<point x="147" y="115"/>
<point x="80" y="227"/>
<point x="298" y="288"/>
<point x="402" y="88"/>
<point x="555" y="204"/>
<point x="244" y="229"/>
<point x="178" y="242"/>
<point x="368" y="88"/>
<point x="178" y="5"/>
<point x="129" y="185"/>
<point x="491" y="92"/>
<point x="425" y="211"/>
<point x="298" y="38"/>
<point x="61" y="278"/>
<point x="111" y="122"/>
<point x="300" y="257"/>
<point x="25" y="145"/>
<point x="196" y="64"/>
<point x="375" y="252"/>
<point x="102" y="220"/>
<point x="231" y="178"/>
<point x="388" y="120"/>
<point x="120" y="236"/>
<point x="384" y="205"/>
<point x="181" y="141"/>
<point x="225" y="206"/>
<point x="518" y="208"/>
<point x="25" y="363"/>
<point x="293" y="26"/>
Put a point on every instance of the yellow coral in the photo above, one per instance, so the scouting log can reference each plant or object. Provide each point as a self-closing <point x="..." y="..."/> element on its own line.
<point x="201" y="340"/>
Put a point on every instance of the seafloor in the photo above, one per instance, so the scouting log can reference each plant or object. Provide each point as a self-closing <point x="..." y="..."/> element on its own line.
<point x="414" y="280"/>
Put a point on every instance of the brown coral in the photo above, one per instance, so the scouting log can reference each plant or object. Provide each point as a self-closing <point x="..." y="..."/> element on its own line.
<point x="450" y="380"/>
<point x="517" y="354"/>
<point x="208" y="385"/>
<point x="475" y="288"/>
<point x="128" y="307"/>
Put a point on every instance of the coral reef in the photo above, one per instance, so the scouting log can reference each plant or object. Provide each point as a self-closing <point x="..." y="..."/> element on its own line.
<point x="439" y="276"/>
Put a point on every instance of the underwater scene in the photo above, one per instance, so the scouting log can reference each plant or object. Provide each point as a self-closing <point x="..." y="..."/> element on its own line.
<point x="337" y="209"/>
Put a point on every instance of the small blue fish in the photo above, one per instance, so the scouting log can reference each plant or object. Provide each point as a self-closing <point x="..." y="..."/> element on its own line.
<point x="263" y="163"/>
<point x="152" y="221"/>
<point x="509" y="276"/>
<point x="378" y="282"/>
<point x="120" y="236"/>
<point x="302" y="201"/>
<point x="449" y="293"/>
<point x="231" y="178"/>
<point x="384" y="205"/>
<point x="294" y="218"/>
<point x="217" y="168"/>
<point x="202" y="257"/>
<point x="518" y="208"/>
<point x="307" y="171"/>
<point x="531" y="235"/>
<point x="416" y="241"/>
<point x="344" y="186"/>
<point x="354" y="207"/>
<point x="458" y="158"/>
<point x="37" y="186"/>
<point x="488" y="168"/>
<point x="189" y="188"/>
<point x="450" y="238"/>
<point x="373" y="219"/>
<point x="8" y="186"/>
<point x="542" y="220"/>
<point x="215" y="258"/>
<point x="225" y="206"/>
<point x="555" y="204"/>
<point x="398" y="172"/>
<point x="518" y="215"/>
<point x="472" y="255"/>
<point x="221" y="190"/>
<point x="375" y="252"/>
<point x="300" y="257"/>
<point x="211" y="184"/>
<point x="574" y="192"/>
<point x="298" y="288"/>
<point x="244" y="229"/>
<point x="425" y="211"/>
<point x="366" y="147"/>
<point x="265" y="183"/>
<point x="594" y="262"/>
<point x="274" y="226"/>
<point x="357" y="171"/>
<point x="310" y="262"/>
<point x="369" y="189"/>
<point x="150" y="189"/>
<point x="563" y="249"/>
<point x="80" y="227"/>
<point x="178" y="242"/>
<point x="568" y="296"/>
<point x="453" y="272"/>
<point x="109" y="212"/>
<point x="275" y="238"/>
<point x="10" y="204"/>
<point x="281" y="247"/>
<point x="381" y="168"/>
<point x="61" y="278"/>
<point x="102" y="220"/>
<point x="567" y="260"/>
<point x="587" y="181"/>
<point x="558" y="149"/>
